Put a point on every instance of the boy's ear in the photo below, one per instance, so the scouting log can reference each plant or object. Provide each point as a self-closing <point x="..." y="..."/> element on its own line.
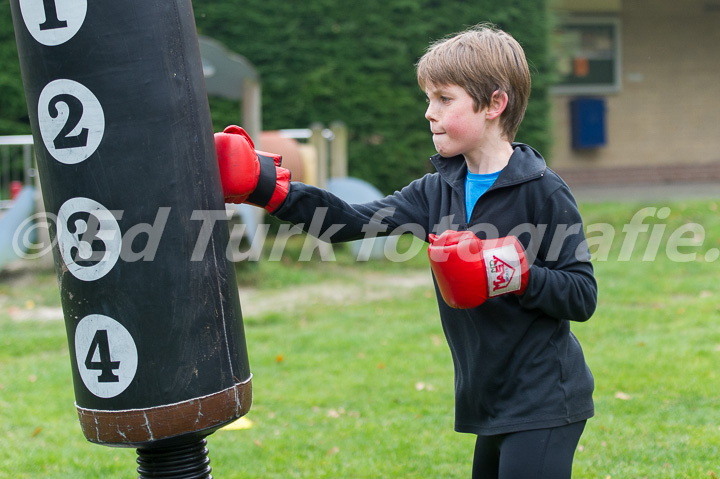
<point x="498" y="103"/>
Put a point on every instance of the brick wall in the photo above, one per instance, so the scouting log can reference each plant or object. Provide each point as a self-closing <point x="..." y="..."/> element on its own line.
<point x="668" y="110"/>
<point x="654" y="174"/>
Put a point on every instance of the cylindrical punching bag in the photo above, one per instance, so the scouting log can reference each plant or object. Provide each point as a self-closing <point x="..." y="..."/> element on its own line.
<point x="126" y="156"/>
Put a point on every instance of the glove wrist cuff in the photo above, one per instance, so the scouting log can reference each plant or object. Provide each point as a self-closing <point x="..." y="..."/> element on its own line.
<point x="506" y="266"/>
<point x="273" y="183"/>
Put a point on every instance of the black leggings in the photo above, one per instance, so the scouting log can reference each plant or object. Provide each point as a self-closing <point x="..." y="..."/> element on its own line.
<point x="538" y="454"/>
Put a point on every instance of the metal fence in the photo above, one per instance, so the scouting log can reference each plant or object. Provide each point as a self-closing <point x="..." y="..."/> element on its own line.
<point x="17" y="164"/>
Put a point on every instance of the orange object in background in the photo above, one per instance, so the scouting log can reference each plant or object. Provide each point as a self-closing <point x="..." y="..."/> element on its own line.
<point x="274" y="142"/>
<point x="581" y="67"/>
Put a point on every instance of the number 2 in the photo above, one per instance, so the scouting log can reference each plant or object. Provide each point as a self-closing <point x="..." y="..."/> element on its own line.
<point x="71" y="120"/>
<point x="75" y="107"/>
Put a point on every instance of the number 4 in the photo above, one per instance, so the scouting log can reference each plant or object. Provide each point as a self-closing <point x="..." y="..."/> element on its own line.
<point x="101" y="345"/>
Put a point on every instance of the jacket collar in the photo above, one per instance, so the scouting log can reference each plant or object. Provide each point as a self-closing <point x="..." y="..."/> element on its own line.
<point x="525" y="164"/>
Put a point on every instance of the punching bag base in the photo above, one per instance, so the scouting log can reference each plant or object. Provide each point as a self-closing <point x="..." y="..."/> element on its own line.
<point x="166" y="424"/>
<point x="188" y="460"/>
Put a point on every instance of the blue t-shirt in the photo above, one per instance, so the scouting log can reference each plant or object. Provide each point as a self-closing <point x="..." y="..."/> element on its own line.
<point x="475" y="187"/>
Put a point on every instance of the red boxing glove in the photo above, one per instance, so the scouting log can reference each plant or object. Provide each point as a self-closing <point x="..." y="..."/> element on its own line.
<point x="248" y="175"/>
<point x="469" y="270"/>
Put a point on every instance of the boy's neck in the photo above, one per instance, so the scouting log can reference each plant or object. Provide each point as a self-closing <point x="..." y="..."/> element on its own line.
<point x="490" y="158"/>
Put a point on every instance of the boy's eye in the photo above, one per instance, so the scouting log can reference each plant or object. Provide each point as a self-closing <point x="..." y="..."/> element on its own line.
<point x="444" y="99"/>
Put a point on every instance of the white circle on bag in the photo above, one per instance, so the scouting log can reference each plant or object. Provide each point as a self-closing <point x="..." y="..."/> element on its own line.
<point x="106" y="354"/>
<point x="53" y="22"/>
<point x="71" y="120"/>
<point x="78" y="234"/>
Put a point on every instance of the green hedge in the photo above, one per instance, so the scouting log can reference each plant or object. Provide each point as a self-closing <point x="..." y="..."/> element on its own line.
<point x="13" y="109"/>
<point x="327" y="60"/>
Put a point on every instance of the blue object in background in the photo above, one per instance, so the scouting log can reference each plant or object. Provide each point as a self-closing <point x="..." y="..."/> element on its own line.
<point x="588" y="122"/>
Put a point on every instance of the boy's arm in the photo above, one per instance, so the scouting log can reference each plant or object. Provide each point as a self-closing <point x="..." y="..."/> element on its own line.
<point x="251" y="176"/>
<point x="561" y="281"/>
<point x="323" y="214"/>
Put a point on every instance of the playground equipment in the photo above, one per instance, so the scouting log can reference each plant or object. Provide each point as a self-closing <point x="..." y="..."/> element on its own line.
<point x="14" y="226"/>
<point x="231" y="76"/>
<point x="126" y="157"/>
<point x="17" y="196"/>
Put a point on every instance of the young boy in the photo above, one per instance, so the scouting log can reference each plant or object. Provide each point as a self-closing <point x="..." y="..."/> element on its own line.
<point x="508" y="254"/>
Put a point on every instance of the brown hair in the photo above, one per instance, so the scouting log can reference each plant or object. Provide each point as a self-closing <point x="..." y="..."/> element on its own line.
<point x="481" y="60"/>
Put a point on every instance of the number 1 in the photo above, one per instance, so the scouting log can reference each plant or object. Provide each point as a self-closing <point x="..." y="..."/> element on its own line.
<point x="52" y="21"/>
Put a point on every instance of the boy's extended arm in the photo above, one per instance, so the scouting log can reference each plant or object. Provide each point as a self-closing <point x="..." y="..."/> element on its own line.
<point x="250" y="176"/>
<point x="328" y="217"/>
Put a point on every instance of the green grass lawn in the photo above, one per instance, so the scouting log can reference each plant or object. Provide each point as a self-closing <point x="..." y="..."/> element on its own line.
<point x="362" y="388"/>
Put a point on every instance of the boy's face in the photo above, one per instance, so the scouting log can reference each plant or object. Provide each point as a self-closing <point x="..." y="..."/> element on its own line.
<point x="457" y="128"/>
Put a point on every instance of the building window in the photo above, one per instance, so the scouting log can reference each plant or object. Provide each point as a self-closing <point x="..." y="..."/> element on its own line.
<point x="587" y="56"/>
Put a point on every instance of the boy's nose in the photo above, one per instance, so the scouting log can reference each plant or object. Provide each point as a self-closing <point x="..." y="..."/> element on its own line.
<point x="429" y="114"/>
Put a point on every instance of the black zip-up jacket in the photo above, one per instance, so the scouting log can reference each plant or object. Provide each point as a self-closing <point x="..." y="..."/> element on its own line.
<point x="517" y="365"/>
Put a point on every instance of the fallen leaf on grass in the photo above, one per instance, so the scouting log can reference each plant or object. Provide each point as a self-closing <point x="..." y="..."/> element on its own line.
<point x="421" y="386"/>
<point x="622" y="396"/>
<point x="335" y="413"/>
<point x="333" y="451"/>
<point x="37" y="431"/>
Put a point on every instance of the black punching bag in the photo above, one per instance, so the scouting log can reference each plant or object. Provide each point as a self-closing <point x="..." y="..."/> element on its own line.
<point x="125" y="151"/>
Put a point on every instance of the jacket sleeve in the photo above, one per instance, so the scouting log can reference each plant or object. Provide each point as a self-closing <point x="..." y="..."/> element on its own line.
<point x="561" y="281"/>
<point x="327" y="217"/>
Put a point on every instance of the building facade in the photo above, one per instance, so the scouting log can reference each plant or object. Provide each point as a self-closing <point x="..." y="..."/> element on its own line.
<point x="650" y="72"/>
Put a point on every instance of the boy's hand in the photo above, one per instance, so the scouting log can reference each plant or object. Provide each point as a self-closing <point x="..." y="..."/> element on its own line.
<point x="248" y="175"/>
<point x="469" y="270"/>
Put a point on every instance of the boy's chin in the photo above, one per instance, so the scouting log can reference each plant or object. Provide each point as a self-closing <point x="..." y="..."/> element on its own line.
<point x="447" y="153"/>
